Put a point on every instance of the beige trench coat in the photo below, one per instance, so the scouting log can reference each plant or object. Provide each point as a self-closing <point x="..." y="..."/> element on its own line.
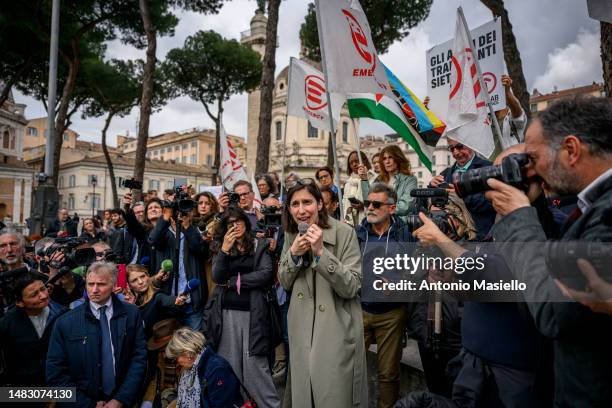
<point x="327" y="350"/>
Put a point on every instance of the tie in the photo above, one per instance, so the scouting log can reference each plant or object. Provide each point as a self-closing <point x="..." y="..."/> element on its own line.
<point x="108" y="369"/>
<point x="571" y="219"/>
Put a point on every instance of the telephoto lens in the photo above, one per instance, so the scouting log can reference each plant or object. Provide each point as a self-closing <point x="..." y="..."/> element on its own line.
<point x="511" y="171"/>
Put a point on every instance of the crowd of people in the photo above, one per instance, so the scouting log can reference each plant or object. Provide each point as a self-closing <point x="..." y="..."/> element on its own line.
<point x="203" y="301"/>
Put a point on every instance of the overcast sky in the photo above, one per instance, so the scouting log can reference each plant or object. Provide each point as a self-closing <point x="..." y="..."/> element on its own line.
<point x="558" y="42"/>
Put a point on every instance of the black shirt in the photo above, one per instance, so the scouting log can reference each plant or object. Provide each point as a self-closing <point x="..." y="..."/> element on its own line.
<point x="242" y="264"/>
<point x="59" y="294"/>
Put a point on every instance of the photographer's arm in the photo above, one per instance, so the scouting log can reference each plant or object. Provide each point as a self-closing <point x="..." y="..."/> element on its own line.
<point x="135" y="228"/>
<point x="157" y="237"/>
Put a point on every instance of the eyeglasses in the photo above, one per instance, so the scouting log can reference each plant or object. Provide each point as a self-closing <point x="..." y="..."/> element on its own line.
<point x="301" y="182"/>
<point x="375" y="204"/>
<point x="456" y="146"/>
<point x="244" y="194"/>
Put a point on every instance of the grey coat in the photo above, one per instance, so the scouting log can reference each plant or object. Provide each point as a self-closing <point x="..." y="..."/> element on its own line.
<point x="582" y="338"/>
<point x="325" y="323"/>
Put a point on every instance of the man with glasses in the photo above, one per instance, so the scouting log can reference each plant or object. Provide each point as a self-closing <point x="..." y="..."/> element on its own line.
<point x="244" y="189"/>
<point x="379" y="233"/>
<point x="480" y="208"/>
<point x="325" y="177"/>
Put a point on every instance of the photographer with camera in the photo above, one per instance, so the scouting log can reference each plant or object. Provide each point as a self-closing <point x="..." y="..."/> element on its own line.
<point x="123" y="244"/>
<point x="383" y="322"/>
<point x="497" y="367"/>
<point x="243" y="190"/>
<point x="25" y="332"/>
<point x="12" y="264"/>
<point x="466" y="159"/>
<point x="187" y="261"/>
<point x="569" y="148"/>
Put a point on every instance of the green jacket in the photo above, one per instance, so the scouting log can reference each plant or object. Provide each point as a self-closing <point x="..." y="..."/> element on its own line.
<point x="403" y="186"/>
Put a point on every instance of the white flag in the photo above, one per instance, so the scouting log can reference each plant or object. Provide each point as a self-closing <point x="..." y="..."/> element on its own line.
<point x="347" y="50"/>
<point x="467" y="120"/>
<point x="307" y="98"/>
<point x="231" y="169"/>
<point x="257" y="201"/>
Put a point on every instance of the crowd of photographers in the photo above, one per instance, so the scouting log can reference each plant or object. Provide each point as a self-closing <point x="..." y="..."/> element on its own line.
<point x="195" y="300"/>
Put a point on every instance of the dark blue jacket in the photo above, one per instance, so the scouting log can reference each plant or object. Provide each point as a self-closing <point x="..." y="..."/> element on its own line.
<point x="73" y="359"/>
<point x="396" y="241"/>
<point x="219" y="386"/>
<point x="479" y="207"/>
<point x="24" y="352"/>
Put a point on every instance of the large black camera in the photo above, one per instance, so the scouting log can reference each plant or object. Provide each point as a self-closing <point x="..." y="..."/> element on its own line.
<point x="132" y="184"/>
<point x="182" y="202"/>
<point x="234" y="198"/>
<point x="561" y="257"/>
<point x="272" y="218"/>
<point x="424" y="199"/>
<point x="72" y="257"/>
<point x="511" y="171"/>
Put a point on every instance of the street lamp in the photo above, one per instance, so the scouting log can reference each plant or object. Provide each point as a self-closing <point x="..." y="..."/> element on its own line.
<point x="94" y="182"/>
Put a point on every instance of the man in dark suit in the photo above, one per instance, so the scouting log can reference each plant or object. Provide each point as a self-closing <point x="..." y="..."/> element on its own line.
<point x="479" y="207"/>
<point x="100" y="346"/>
<point x="25" y="331"/>
<point x="569" y="148"/>
<point x="62" y="225"/>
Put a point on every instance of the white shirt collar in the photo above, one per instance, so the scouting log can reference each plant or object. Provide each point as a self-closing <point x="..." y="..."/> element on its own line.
<point x="584" y="199"/>
<point x="95" y="307"/>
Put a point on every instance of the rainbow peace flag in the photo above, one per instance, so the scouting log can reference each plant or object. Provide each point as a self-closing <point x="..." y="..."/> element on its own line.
<point x="424" y="121"/>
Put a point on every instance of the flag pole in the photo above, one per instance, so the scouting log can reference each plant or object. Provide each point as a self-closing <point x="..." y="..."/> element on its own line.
<point x="329" y="110"/>
<point x="358" y="141"/>
<point x="282" y="186"/>
<point x="479" y="72"/>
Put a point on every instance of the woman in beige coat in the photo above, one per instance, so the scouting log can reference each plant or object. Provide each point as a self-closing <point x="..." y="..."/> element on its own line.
<point x="322" y="268"/>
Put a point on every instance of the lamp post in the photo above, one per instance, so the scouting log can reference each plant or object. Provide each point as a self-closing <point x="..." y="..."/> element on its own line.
<point x="94" y="182"/>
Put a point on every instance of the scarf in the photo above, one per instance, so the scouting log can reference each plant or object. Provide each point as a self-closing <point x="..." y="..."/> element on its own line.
<point x="189" y="387"/>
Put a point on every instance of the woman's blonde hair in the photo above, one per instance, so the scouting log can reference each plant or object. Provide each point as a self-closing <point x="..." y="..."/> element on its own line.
<point x="141" y="299"/>
<point x="456" y="208"/>
<point x="185" y="341"/>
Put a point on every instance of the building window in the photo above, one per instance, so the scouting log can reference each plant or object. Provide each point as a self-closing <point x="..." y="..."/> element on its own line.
<point x="533" y="107"/>
<point x="90" y="178"/>
<point x="95" y="198"/>
<point x="448" y="160"/>
<point x="433" y="172"/>
<point x="154" y="185"/>
<point x="344" y="132"/>
<point x="170" y="184"/>
<point x="210" y="146"/>
<point x="433" y="159"/>
<point x="420" y="174"/>
<point x="72" y="181"/>
<point x="185" y="146"/>
<point x="71" y="202"/>
<point x="119" y="181"/>
<point x="60" y="182"/>
<point x="5" y="139"/>
<point x="32" y="131"/>
<point x="194" y="144"/>
<point x="156" y="152"/>
<point x="192" y="159"/>
<point x="279" y="130"/>
<point x="176" y="148"/>
<point x="209" y="160"/>
<point x="313" y="133"/>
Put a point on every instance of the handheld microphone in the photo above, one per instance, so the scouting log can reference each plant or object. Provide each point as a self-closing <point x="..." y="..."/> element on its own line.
<point x="63" y="271"/>
<point x="145" y="261"/>
<point x="166" y="265"/>
<point x="192" y="285"/>
<point x="302" y="228"/>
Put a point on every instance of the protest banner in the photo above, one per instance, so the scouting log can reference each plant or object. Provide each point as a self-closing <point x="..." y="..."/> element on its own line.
<point x="488" y="47"/>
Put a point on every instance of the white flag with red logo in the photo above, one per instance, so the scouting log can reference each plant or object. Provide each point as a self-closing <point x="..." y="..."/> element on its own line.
<point x="467" y="120"/>
<point x="347" y="50"/>
<point x="231" y="169"/>
<point x="306" y="95"/>
<point x="257" y="201"/>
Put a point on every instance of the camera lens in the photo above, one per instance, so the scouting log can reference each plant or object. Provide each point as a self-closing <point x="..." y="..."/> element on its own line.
<point x="475" y="180"/>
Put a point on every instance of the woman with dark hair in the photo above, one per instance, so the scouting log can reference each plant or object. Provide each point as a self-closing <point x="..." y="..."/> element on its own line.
<point x="322" y="268"/>
<point x="91" y="231"/>
<point x="325" y="177"/>
<point x="237" y="318"/>
<point x="207" y="208"/>
<point x="265" y="185"/>
<point x="353" y="187"/>
<point x="140" y="231"/>
<point x="376" y="163"/>
<point x="395" y="172"/>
